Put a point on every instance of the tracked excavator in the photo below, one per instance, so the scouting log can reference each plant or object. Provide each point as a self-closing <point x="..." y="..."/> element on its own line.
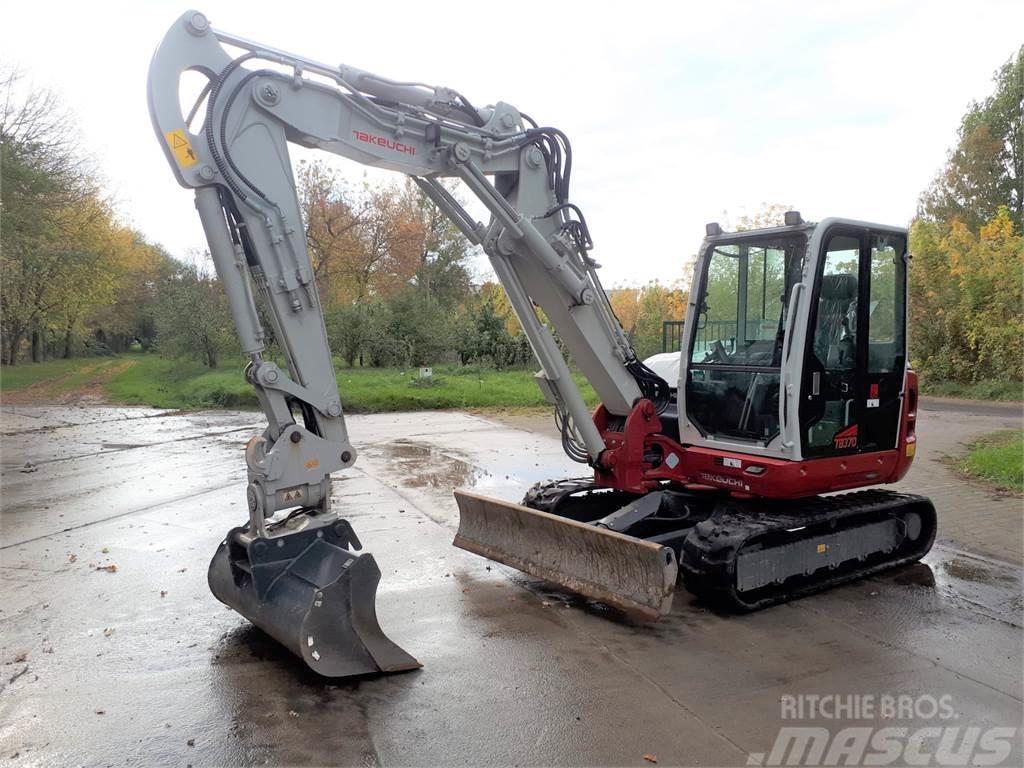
<point x="715" y="465"/>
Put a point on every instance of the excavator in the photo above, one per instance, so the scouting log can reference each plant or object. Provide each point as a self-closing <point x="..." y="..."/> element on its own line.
<point x="715" y="466"/>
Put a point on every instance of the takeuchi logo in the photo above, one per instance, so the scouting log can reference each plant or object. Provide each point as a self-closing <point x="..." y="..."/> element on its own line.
<point x="381" y="141"/>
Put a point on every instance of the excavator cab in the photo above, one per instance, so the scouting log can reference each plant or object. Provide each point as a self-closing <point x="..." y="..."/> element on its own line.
<point x="813" y="312"/>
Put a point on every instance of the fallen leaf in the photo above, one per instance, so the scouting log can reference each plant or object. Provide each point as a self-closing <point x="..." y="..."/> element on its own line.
<point x="108" y="631"/>
<point x="191" y="742"/>
<point x="104" y="550"/>
<point x="108" y="568"/>
<point x="72" y="557"/>
<point x="21" y="657"/>
<point x="464" y="591"/>
<point x="650" y="758"/>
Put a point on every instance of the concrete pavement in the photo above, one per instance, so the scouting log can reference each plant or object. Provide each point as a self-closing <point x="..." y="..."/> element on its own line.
<point x="139" y="664"/>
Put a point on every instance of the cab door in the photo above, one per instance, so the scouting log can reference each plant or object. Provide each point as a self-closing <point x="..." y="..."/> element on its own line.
<point x="855" y="358"/>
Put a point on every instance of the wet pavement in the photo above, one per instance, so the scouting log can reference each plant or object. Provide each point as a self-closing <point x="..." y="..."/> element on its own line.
<point x="114" y="652"/>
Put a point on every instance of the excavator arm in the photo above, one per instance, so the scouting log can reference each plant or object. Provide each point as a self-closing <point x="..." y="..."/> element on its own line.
<point x="236" y="161"/>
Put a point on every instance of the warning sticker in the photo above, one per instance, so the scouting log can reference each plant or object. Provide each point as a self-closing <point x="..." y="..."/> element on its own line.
<point x="292" y="494"/>
<point x="180" y="146"/>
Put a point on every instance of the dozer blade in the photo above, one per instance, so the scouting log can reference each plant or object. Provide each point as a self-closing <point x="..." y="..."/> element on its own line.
<point x="305" y="589"/>
<point x="633" y="575"/>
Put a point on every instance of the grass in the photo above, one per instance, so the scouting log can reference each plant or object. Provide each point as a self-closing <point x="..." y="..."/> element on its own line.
<point x="27" y="374"/>
<point x="153" y="381"/>
<point x="1007" y="391"/>
<point x="55" y="377"/>
<point x="160" y="383"/>
<point x="997" y="458"/>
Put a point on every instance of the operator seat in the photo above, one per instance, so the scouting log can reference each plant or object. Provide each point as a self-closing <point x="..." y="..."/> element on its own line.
<point x="835" y="336"/>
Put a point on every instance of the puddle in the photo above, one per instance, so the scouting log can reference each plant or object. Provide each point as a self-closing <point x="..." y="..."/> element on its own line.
<point x="976" y="571"/>
<point x="989" y="586"/>
<point x="916" y="575"/>
<point x="422" y="466"/>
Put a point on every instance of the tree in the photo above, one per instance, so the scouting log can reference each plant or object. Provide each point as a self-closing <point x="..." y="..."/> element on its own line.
<point x="626" y="306"/>
<point x="641" y="311"/>
<point x="331" y="215"/>
<point x="192" y="315"/>
<point x="966" y="300"/>
<point x="362" y="244"/>
<point x="768" y="215"/>
<point x="442" y="274"/>
<point x="49" y="205"/>
<point x="985" y="170"/>
<point x="138" y="269"/>
<point x="657" y="303"/>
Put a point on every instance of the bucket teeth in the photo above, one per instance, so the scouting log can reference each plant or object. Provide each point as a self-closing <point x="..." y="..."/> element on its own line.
<point x="312" y="595"/>
<point x="635" y="576"/>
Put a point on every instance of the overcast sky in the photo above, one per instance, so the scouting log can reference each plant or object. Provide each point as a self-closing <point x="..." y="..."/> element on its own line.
<point x="677" y="112"/>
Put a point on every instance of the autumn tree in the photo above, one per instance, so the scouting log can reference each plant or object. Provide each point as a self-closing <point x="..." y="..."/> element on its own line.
<point x="985" y="170"/>
<point x="966" y="299"/>
<point x="642" y="311"/>
<point x="47" y="197"/>
<point x="331" y="213"/>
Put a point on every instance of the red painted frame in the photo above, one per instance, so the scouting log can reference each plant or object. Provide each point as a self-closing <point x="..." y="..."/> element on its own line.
<point x="639" y="459"/>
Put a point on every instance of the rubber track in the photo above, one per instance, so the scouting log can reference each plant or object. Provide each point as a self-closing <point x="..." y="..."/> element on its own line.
<point x="710" y="551"/>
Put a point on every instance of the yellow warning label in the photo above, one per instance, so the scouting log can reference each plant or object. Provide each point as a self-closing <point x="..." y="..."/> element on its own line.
<point x="822" y="548"/>
<point x="180" y="146"/>
<point x="911" y="448"/>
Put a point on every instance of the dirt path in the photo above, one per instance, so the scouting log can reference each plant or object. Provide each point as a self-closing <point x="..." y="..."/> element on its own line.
<point x="85" y="386"/>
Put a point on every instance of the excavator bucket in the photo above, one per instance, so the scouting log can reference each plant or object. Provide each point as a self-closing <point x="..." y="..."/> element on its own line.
<point x="306" y="589"/>
<point x="638" y="577"/>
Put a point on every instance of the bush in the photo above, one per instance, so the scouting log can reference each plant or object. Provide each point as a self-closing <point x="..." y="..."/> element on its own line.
<point x="966" y="323"/>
